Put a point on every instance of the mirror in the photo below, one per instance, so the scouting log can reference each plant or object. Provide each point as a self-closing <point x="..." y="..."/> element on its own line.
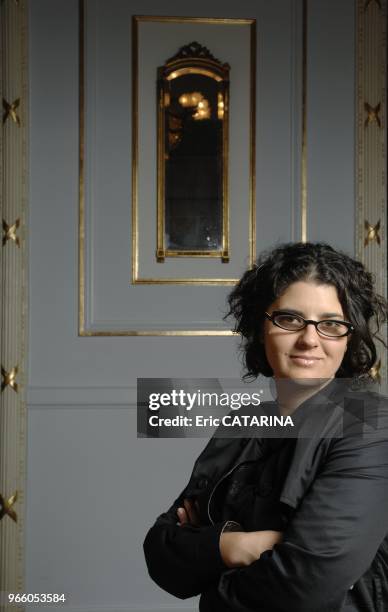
<point x="192" y="211"/>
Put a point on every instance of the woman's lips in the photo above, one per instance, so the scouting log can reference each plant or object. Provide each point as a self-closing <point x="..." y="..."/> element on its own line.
<point x="304" y="361"/>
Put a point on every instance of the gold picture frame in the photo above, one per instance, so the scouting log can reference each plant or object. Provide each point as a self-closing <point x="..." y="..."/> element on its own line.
<point x="85" y="329"/>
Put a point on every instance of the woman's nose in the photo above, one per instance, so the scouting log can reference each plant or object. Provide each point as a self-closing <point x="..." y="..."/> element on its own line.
<point x="308" y="335"/>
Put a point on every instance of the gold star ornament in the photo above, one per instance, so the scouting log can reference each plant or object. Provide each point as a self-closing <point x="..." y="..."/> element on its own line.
<point x="372" y="114"/>
<point x="372" y="232"/>
<point x="9" y="232"/>
<point x="6" y="507"/>
<point x="9" y="379"/>
<point x="10" y="111"/>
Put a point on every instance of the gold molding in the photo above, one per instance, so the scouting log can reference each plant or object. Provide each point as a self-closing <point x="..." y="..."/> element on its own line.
<point x="14" y="164"/>
<point x="81" y="170"/>
<point x="187" y="281"/>
<point x="172" y="332"/>
<point x="82" y="330"/>
<point x="371" y="153"/>
<point x="210" y="20"/>
<point x="170" y="253"/>
<point x="135" y="153"/>
<point x="135" y="279"/>
<point x="303" y="204"/>
<point x="252" y="148"/>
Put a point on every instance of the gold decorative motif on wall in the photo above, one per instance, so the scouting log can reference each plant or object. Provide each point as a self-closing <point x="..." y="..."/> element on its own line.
<point x="10" y="232"/>
<point x="368" y="2"/>
<point x="375" y="371"/>
<point x="9" y="379"/>
<point x="370" y="149"/>
<point x="10" y="111"/>
<point x="6" y="507"/>
<point x="372" y="232"/>
<point x="373" y="114"/>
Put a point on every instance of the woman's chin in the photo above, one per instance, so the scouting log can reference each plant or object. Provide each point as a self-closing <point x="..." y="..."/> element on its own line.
<point x="308" y="379"/>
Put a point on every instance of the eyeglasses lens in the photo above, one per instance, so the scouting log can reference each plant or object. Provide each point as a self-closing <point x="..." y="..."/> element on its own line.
<point x="332" y="328"/>
<point x="288" y="321"/>
<point x="291" y="322"/>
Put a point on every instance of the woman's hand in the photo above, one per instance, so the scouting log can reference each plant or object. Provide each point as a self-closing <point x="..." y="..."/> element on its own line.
<point x="239" y="548"/>
<point x="189" y="513"/>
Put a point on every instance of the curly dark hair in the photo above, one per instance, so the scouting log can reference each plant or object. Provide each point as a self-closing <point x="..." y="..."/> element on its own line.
<point x="275" y="270"/>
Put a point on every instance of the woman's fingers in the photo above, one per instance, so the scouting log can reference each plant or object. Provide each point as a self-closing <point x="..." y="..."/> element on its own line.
<point x="182" y="516"/>
<point x="187" y="505"/>
<point x="188" y="513"/>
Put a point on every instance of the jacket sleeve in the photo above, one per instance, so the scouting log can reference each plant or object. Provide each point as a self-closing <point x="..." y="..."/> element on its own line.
<point x="330" y="542"/>
<point x="183" y="560"/>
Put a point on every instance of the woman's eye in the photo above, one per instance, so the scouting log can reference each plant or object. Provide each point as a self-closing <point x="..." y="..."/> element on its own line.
<point x="289" y="318"/>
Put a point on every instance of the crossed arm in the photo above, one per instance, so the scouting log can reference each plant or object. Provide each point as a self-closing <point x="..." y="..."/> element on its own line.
<point x="237" y="548"/>
<point x="185" y="558"/>
<point x="330" y="542"/>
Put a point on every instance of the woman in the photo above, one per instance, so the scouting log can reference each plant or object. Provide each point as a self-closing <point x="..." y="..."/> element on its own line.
<point x="296" y="525"/>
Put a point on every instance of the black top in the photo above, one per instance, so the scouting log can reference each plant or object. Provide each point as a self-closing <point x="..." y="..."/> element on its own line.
<point x="334" y="488"/>
<point x="250" y="494"/>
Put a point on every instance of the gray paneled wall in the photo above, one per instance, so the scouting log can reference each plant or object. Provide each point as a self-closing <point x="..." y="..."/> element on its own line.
<point x="93" y="488"/>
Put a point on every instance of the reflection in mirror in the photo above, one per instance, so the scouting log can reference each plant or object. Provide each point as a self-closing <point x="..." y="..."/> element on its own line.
<point x="193" y="89"/>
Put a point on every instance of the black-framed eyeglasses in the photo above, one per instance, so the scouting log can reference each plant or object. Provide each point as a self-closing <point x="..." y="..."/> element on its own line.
<point x="332" y="328"/>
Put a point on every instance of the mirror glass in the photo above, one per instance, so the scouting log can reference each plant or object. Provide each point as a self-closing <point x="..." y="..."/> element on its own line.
<point x="192" y="156"/>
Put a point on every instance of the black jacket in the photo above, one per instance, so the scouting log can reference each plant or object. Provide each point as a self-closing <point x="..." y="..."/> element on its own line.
<point x="330" y="497"/>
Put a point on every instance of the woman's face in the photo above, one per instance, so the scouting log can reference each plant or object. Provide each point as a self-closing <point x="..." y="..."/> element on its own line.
<point x="305" y="353"/>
